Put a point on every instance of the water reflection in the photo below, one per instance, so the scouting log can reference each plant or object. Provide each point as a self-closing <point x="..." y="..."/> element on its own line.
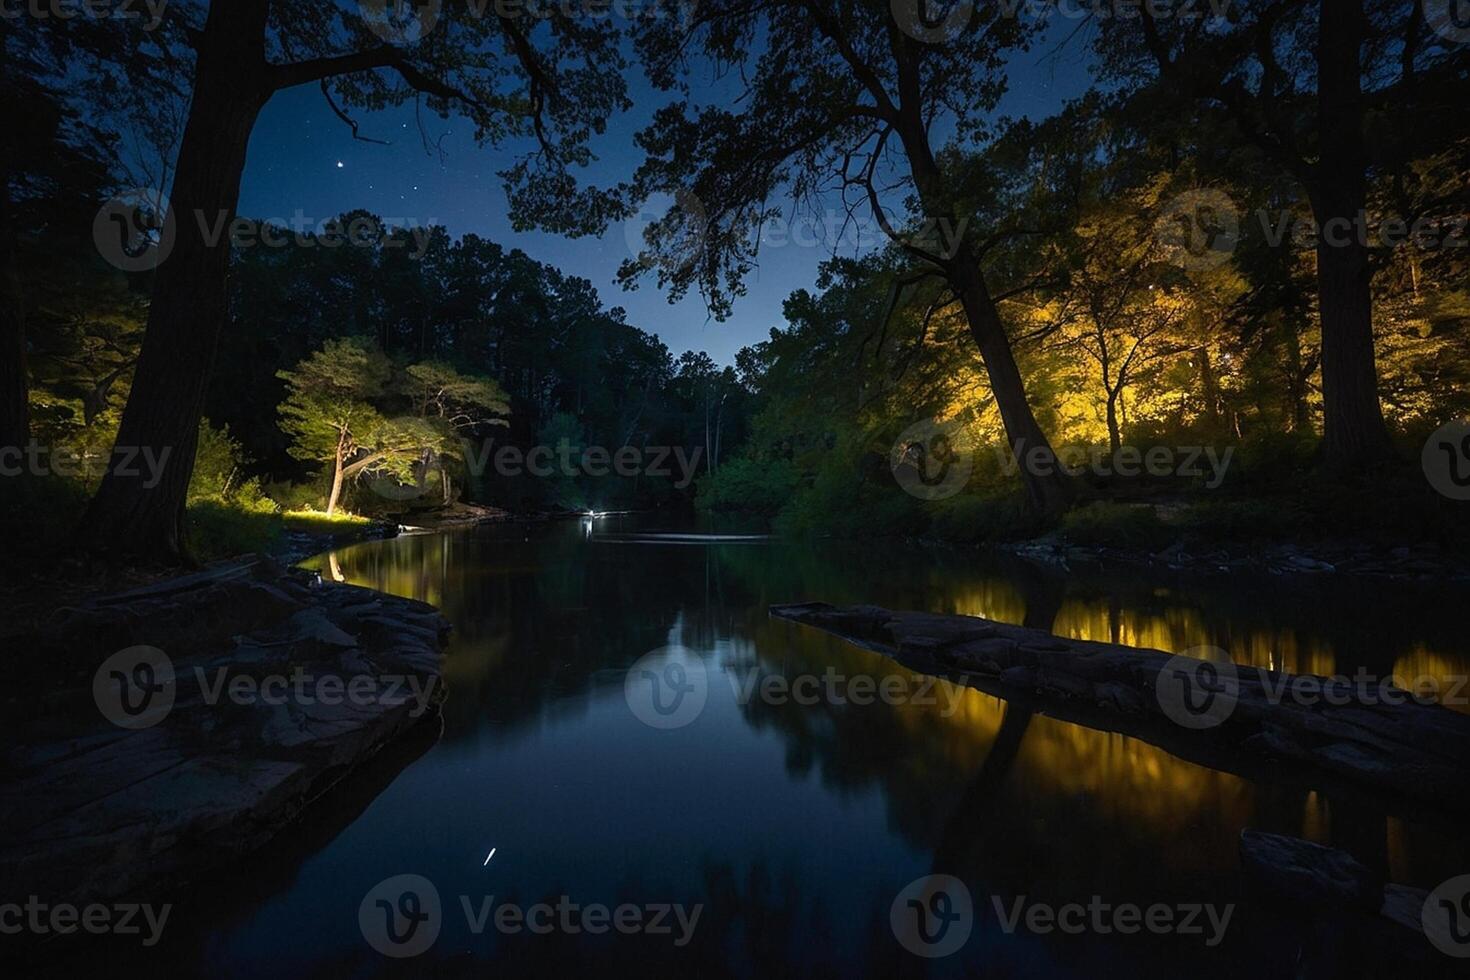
<point x="795" y="824"/>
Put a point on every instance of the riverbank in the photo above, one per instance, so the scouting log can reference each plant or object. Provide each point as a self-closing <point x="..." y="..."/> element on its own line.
<point x="160" y="733"/>
<point x="1424" y="562"/>
<point x="1357" y="740"/>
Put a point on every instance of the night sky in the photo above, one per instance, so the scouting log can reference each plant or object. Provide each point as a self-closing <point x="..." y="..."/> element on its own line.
<point x="303" y="157"/>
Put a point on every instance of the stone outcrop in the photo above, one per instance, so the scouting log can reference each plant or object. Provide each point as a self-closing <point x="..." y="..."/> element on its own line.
<point x="1350" y="921"/>
<point x="280" y="685"/>
<point x="1404" y="755"/>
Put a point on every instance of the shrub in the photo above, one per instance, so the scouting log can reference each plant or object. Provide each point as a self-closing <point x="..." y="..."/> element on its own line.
<point x="1104" y="524"/>
<point x="975" y="519"/>
<point x="745" y="485"/>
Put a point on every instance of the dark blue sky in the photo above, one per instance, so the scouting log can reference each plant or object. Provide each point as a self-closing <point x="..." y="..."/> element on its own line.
<point x="303" y="157"/>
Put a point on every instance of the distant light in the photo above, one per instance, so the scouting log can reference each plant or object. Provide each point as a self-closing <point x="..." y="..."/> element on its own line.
<point x="339" y="164"/>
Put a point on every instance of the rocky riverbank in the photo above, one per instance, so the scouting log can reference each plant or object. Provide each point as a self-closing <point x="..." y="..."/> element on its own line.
<point x="1257" y="723"/>
<point x="1418" y="563"/>
<point x="1351" y="921"/>
<point x="159" y="734"/>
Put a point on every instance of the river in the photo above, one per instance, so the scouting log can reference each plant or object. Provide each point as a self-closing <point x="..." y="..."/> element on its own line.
<point x="795" y="801"/>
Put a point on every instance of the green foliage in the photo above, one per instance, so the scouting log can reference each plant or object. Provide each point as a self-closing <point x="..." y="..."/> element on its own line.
<point x="37" y="514"/>
<point x="562" y="490"/>
<point x="1245" y="520"/>
<point x="1105" y="524"/>
<point x="221" y="529"/>
<point x="984" y="519"/>
<point x="221" y="473"/>
<point x="745" y="484"/>
<point x="316" y="522"/>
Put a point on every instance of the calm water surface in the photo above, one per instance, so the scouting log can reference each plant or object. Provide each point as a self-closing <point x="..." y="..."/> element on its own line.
<point x="793" y="825"/>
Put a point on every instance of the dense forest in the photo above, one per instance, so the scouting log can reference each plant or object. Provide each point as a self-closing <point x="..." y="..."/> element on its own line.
<point x="888" y="488"/>
<point x="1265" y="281"/>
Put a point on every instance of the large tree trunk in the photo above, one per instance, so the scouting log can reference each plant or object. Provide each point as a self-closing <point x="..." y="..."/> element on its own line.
<point x="1354" y="432"/>
<point x="189" y="293"/>
<point x="1115" y="434"/>
<point x="1049" y="488"/>
<point x="337" y="478"/>
<point x="15" y="426"/>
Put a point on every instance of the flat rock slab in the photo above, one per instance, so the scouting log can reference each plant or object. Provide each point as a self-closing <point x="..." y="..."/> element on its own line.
<point x="281" y="687"/>
<point x="1264" y="722"/>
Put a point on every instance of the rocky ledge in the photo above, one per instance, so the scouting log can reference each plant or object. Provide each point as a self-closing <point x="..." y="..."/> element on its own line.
<point x="1427" y="563"/>
<point x="1256" y="723"/>
<point x="164" y="732"/>
<point x="1351" y="921"/>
